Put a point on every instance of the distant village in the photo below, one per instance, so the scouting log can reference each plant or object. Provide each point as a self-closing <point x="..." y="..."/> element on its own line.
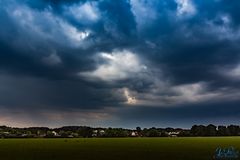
<point x="89" y="132"/>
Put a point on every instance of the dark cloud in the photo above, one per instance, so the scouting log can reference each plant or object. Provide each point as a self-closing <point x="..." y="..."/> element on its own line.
<point x="97" y="54"/>
<point x="181" y="116"/>
<point x="40" y="94"/>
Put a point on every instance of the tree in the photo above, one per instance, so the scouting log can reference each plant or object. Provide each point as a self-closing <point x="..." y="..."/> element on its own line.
<point x="139" y="131"/>
<point x="50" y="134"/>
<point x="211" y="130"/>
<point x="223" y="131"/>
<point x="153" y="132"/>
<point x="63" y="133"/>
<point x="116" y="132"/>
<point x="198" y="130"/>
<point x="85" y="132"/>
<point x="233" y="130"/>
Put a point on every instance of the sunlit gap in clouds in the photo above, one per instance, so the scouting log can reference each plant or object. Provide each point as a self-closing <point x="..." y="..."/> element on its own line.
<point x="130" y="99"/>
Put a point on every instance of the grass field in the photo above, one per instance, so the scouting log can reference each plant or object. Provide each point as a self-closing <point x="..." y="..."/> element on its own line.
<point x="114" y="148"/>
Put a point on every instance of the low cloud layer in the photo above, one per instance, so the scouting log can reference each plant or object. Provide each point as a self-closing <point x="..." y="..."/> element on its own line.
<point x="105" y="60"/>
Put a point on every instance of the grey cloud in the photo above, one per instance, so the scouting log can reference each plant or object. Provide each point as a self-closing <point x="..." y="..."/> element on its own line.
<point x="49" y="54"/>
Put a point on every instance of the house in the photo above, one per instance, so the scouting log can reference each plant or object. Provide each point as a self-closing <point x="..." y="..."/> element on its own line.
<point x="6" y="133"/>
<point x="134" y="134"/>
<point x="95" y="133"/>
<point x="173" y="134"/>
<point x="70" y="136"/>
<point x="98" y="133"/>
<point x="55" y="133"/>
<point x="24" y="135"/>
<point x="101" y="132"/>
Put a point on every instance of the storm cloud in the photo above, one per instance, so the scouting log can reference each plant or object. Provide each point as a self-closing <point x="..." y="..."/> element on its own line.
<point x="104" y="62"/>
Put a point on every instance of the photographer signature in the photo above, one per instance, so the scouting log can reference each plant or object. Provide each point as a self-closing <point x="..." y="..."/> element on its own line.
<point x="229" y="153"/>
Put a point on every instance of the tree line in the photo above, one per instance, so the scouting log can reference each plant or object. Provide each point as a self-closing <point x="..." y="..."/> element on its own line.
<point x="212" y="130"/>
<point x="88" y="132"/>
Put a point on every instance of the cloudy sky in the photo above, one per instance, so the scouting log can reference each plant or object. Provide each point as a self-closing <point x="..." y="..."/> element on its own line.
<point x="119" y="63"/>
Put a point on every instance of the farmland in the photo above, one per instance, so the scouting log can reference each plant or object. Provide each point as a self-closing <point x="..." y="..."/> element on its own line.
<point x="196" y="148"/>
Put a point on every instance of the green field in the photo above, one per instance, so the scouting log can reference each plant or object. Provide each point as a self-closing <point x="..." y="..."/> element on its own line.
<point x="114" y="148"/>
